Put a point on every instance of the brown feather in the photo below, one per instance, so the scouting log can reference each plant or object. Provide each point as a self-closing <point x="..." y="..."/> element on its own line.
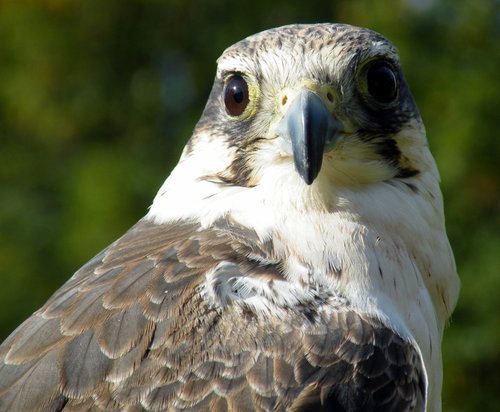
<point x="133" y="329"/>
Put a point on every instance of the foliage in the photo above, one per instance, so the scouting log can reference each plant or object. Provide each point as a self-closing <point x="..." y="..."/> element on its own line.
<point x="97" y="99"/>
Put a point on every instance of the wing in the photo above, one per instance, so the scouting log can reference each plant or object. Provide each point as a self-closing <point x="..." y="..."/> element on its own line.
<point x="171" y="317"/>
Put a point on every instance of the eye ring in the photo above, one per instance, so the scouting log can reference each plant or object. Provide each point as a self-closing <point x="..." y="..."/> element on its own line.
<point x="382" y="82"/>
<point x="236" y="95"/>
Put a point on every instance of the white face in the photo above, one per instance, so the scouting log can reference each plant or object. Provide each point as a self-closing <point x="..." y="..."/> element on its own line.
<point x="355" y="76"/>
<point x="359" y="82"/>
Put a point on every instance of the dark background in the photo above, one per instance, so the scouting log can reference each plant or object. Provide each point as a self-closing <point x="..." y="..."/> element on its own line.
<point x="97" y="99"/>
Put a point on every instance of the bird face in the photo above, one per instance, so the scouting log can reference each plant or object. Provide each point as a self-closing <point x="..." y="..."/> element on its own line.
<point x="322" y="102"/>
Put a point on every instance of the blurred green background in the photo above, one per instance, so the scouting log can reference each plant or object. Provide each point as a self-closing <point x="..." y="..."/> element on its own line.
<point x="97" y="99"/>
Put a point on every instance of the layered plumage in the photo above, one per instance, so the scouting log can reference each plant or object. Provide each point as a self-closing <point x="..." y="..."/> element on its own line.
<point x="295" y="259"/>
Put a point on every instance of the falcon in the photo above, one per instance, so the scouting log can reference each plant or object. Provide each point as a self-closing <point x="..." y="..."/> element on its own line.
<point x="295" y="259"/>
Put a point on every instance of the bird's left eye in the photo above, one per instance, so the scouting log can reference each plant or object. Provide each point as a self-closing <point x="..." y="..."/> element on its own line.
<point x="382" y="82"/>
<point x="236" y="95"/>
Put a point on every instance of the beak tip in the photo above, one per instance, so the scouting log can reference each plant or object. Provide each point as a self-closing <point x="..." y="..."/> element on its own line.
<point x="309" y="177"/>
<point x="308" y="171"/>
<point x="309" y="181"/>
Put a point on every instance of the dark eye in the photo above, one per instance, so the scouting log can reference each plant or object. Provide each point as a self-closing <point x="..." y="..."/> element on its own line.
<point x="236" y="95"/>
<point x="382" y="82"/>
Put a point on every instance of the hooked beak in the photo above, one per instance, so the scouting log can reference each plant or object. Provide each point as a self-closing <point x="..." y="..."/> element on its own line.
<point x="311" y="129"/>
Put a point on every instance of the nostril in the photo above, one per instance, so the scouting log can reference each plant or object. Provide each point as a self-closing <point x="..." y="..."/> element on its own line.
<point x="329" y="96"/>
<point x="284" y="99"/>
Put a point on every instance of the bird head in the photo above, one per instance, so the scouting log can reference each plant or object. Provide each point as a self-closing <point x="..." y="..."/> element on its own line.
<point x="318" y="102"/>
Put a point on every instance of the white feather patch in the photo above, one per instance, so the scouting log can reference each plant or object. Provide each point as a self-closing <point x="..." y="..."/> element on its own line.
<point x="226" y="285"/>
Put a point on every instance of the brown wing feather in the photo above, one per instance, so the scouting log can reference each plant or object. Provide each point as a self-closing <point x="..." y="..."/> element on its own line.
<point x="131" y="330"/>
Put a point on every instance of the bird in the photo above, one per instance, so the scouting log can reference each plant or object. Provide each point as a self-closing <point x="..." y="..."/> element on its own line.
<point x="295" y="259"/>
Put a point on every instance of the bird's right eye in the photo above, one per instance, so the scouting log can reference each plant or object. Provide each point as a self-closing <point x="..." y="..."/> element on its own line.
<point x="236" y="96"/>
